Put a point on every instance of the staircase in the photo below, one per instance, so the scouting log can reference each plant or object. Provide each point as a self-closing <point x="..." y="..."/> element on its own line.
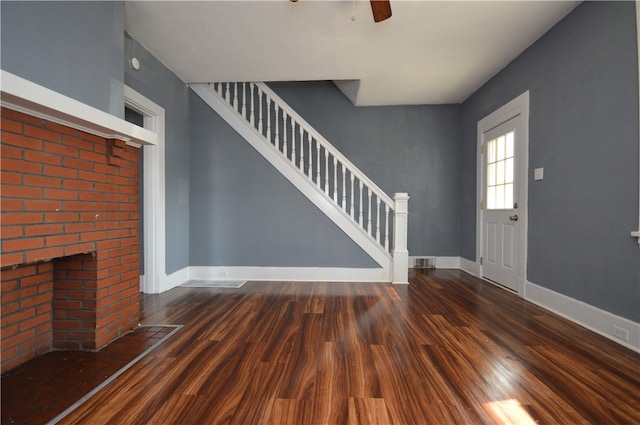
<point x="377" y="223"/>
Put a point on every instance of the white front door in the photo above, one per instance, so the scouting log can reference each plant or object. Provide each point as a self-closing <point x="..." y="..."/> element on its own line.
<point x="501" y="194"/>
<point x="502" y="185"/>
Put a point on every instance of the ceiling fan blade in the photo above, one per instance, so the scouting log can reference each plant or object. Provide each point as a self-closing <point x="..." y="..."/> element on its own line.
<point x="381" y="10"/>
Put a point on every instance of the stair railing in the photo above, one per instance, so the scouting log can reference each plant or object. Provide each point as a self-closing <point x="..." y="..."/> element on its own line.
<point x="323" y="165"/>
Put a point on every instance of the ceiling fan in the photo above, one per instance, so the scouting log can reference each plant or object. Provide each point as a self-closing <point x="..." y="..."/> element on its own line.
<point x="381" y="9"/>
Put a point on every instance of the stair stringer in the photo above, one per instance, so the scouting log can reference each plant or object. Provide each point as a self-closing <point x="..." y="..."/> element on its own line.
<point x="295" y="176"/>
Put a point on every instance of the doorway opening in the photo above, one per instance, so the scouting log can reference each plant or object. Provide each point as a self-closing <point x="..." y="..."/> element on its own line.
<point x="153" y="273"/>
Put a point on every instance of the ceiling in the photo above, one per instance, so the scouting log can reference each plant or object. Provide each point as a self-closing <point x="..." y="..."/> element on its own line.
<point x="428" y="52"/>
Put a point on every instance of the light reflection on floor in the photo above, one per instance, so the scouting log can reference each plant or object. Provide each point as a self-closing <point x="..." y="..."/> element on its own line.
<point x="509" y="412"/>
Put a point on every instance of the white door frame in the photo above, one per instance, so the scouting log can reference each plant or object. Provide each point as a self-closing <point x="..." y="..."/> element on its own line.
<point x="518" y="106"/>
<point x="154" y="277"/>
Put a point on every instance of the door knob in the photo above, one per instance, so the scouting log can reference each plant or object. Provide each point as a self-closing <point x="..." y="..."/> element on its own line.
<point x="514" y="217"/>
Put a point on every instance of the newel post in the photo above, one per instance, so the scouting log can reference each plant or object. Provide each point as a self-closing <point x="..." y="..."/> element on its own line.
<point x="400" y="252"/>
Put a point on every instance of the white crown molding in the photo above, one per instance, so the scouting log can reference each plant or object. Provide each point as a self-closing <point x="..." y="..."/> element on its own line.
<point x="25" y="96"/>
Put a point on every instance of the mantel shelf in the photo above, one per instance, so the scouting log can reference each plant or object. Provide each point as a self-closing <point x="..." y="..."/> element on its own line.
<point x="26" y="96"/>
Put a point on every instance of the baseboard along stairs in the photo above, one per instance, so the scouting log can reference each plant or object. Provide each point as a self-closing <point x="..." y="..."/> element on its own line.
<point x="370" y="217"/>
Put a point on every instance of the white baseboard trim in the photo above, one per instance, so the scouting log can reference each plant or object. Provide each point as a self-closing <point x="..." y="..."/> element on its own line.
<point x="176" y="278"/>
<point x="440" y="262"/>
<point x="302" y="274"/>
<point x="592" y="318"/>
<point x="447" y="262"/>
<point x="470" y="267"/>
<point x="298" y="274"/>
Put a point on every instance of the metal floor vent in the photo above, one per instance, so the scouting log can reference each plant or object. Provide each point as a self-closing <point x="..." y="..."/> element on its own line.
<point x="424" y="263"/>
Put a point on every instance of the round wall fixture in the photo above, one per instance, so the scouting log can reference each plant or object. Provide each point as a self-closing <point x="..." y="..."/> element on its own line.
<point x="135" y="63"/>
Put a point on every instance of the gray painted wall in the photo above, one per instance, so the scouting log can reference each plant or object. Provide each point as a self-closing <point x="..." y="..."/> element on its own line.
<point x="245" y="213"/>
<point x="74" y="48"/>
<point x="154" y="81"/>
<point x="583" y="81"/>
<point x="413" y="149"/>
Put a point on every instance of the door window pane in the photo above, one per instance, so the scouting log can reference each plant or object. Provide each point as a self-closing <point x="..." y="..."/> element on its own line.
<point x="500" y="172"/>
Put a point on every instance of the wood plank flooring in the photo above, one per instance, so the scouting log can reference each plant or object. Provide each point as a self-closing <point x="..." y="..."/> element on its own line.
<point x="446" y="349"/>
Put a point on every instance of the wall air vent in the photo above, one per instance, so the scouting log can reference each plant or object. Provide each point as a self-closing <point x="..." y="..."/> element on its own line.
<point x="424" y="263"/>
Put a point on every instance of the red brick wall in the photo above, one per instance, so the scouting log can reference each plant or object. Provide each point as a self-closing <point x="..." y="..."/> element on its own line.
<point x="26" y="313"/>
<point x="64" y="192"/>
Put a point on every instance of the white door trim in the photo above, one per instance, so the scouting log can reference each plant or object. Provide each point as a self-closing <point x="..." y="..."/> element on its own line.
<point x="636" y="233"/>
<point x="154" y="277"/>
<point x="518" y="106"/>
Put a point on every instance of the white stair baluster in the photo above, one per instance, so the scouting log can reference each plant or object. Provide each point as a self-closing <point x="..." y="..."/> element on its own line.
<point x="360" y="206"/>
<point x="378" y="219"/>
<point x="369" y="229"/>
<point x="293" y="141"/>
<point x="244" y="100"/>
<point x="302" y="150"/>
<point x="227" y="93"/>
<point x="326" y="172"/>
<point x="252" y="118"/>
<point x="309" y="157"/>
<point x="335" y="179"/>
<point x="386" y="227"/>
<point x="284" y="133"/>
<point x="344" y="187"/>
<point x="268" y="104"/>
<point x="277" y="124"/>
<point x="352" y="193"/>
<point x="235" y="96"/>
<point x="318" y="179"/>
<point x="260" y="111"/>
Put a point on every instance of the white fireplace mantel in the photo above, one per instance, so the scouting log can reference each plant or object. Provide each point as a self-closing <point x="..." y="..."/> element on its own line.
<point x="33" y="99"/>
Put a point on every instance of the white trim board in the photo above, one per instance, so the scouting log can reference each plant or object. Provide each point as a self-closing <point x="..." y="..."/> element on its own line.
<point x="293" y="274"/>
<point x="636" y="233"/>
<point x="440" y="262"/>
<point x="470" y="267"/>
<point x="298" y="274"/>
<point x="153" y="211"/>
<point x="33" y="99"/>
<point x="176" y="278"/>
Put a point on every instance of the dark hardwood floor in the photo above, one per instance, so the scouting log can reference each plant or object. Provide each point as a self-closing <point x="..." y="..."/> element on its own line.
<point x="446" y="349"/>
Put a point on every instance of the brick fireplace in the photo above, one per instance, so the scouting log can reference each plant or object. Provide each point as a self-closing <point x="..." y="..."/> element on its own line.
<point x="70" y="238"/>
